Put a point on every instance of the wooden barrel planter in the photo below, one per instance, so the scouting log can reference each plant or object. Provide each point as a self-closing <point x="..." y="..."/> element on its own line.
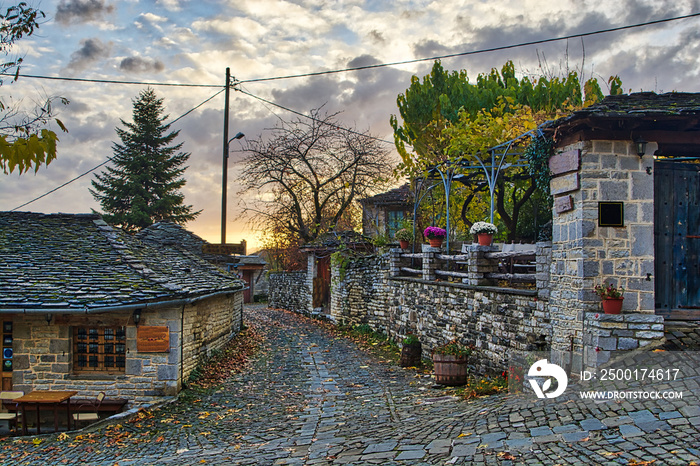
<point x="411" y="355"/>
<point x="449" y="369"/>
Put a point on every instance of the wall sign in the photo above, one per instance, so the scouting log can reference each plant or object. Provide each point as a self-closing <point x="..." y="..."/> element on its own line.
<point x="152" y="339"/>
<point x="563" y="204"/>
<point x="611" y="214"/>
<point x="564" y="184"/>
<point x="565" y="162"/>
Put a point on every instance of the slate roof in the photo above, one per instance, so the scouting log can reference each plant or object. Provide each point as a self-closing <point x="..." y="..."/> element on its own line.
<point x="77" y="261"/>
<point x="397" y="196"/>
<point x="170" y="234"/>
<point x="639" y="105"/>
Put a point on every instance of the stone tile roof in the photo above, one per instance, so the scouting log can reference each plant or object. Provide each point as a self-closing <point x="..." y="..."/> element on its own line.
<point x="252" y="260"/>
<point x="77" y="261"/>
<point x="398" y="196"/>
<point x="170" y="234"/>
<point x="638" y="105"/>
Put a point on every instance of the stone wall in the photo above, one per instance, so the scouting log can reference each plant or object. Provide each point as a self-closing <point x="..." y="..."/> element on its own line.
<point x="360" y="290"/>
<point x="208" y="325"/>
<point x="290" y="290"/>
<point x="498" y="321"/>
<point x="605" y="333"/>
<point x="586" y="254"/>
<point x="43" y="353"/>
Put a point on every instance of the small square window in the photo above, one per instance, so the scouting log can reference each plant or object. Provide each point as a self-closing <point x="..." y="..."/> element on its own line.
<point x="611" y="214"/>
<point x="99" y="349"/>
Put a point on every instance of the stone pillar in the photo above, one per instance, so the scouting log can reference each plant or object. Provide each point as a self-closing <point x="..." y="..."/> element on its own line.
<point x="543" y="251"/>
<point x="430" y="262"/>
<point x="395" y="262"/>
<point x="478" y="265"/>
<point x="310" y="275"/>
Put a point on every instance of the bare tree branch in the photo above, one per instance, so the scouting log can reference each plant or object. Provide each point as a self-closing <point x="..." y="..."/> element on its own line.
<point x="306" y="177"/>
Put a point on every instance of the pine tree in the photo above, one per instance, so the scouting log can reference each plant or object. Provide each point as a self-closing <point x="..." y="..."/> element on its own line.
<point x="143" y="186"/>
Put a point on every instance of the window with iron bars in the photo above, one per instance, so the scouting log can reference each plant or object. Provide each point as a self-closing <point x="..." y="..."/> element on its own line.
<point x="99" y="349"/>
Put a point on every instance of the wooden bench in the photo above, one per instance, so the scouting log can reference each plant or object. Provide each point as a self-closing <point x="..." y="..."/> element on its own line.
<point x="109" y="406"/>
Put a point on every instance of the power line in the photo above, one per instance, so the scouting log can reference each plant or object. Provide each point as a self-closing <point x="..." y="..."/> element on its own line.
<point x="314" y="119"/>
<point x="109" y="159"/>
<point x="379" y="65"/>
<point x="474" y="52"/>
<point x="110" y="81"/>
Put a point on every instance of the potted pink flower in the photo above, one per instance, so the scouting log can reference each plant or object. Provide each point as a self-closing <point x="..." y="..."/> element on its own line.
<point x="435" y="236"/>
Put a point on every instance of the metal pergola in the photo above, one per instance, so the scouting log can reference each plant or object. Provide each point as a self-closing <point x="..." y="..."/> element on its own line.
<point x="446" y="172"/>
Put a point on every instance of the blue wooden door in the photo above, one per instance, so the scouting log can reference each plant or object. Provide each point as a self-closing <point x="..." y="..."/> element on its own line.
<point x="677" y="239"/>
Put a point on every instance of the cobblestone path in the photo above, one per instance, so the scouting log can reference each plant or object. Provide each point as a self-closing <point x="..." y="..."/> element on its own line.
<point x="313" y="398"/>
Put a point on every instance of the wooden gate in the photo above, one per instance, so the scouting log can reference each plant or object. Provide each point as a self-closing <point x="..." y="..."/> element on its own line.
<point x="677" y="239"/>
<point x="322" y="284"/>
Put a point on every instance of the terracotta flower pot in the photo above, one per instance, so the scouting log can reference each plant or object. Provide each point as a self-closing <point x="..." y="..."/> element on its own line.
<point x="485" y="239"/>
<point x="449" y="369"/>
<point x="612" y="305"/>
<point x="435" y="242"/>
<point x="403" y="244"/>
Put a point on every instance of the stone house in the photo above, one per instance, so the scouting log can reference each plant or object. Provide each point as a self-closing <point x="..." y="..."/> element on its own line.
<point x="626" y="188"/>
<point x="382" y="214"/>
<point x="87" y="307"/>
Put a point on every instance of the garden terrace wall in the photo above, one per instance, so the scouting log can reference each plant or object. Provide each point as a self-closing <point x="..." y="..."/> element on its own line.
<point x="498" y="321"/>
<point x="291" y="291"/>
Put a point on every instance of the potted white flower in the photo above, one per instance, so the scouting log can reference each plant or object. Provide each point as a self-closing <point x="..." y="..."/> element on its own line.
<point x="484" y="231"/>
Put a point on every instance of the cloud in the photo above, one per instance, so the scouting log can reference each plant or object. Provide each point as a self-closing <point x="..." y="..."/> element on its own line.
<point x="141" y="65"/>
<point x="91" y="50"/>
<point x="363" y="60"/>
<point x="171" y="5"/>
<point x="81" y="11"/>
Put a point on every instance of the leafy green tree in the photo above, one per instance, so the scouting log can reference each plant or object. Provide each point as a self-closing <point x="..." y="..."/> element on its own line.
<point x="445" y="117"/>
<point x="144" y="185"/>
<point x="25" y="142"/>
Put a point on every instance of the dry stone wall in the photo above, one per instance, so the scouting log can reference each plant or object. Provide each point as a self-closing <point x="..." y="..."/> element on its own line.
<point x="497" y="321"/>
<point x="291" y="291"/>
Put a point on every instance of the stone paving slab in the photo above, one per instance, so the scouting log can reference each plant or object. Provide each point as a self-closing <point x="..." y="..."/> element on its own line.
<point x="310" y="397"/>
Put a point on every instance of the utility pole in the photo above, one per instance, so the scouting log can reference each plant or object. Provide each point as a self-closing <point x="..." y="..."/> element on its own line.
<point x="225" y="167"/>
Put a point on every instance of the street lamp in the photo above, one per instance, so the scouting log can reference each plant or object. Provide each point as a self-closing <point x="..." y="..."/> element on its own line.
<point x="224" y="183"/>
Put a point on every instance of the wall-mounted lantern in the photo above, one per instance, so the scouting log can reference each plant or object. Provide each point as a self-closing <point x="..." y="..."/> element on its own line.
<point x="641" y="146"/>
<point x="137" y="317"/>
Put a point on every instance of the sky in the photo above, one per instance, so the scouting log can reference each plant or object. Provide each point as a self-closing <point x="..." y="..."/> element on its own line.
<point x="193" y="42"/>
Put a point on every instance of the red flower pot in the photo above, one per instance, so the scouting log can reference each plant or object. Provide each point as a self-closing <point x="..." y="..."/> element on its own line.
<point x="612" y="305"/>
<point x="403" y="244"/>
<point x="485" y="239"/>
<point x="435" y="242"/>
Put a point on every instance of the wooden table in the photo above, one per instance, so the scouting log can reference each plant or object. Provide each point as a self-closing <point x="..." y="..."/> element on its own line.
<point x="46" y="398"/>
